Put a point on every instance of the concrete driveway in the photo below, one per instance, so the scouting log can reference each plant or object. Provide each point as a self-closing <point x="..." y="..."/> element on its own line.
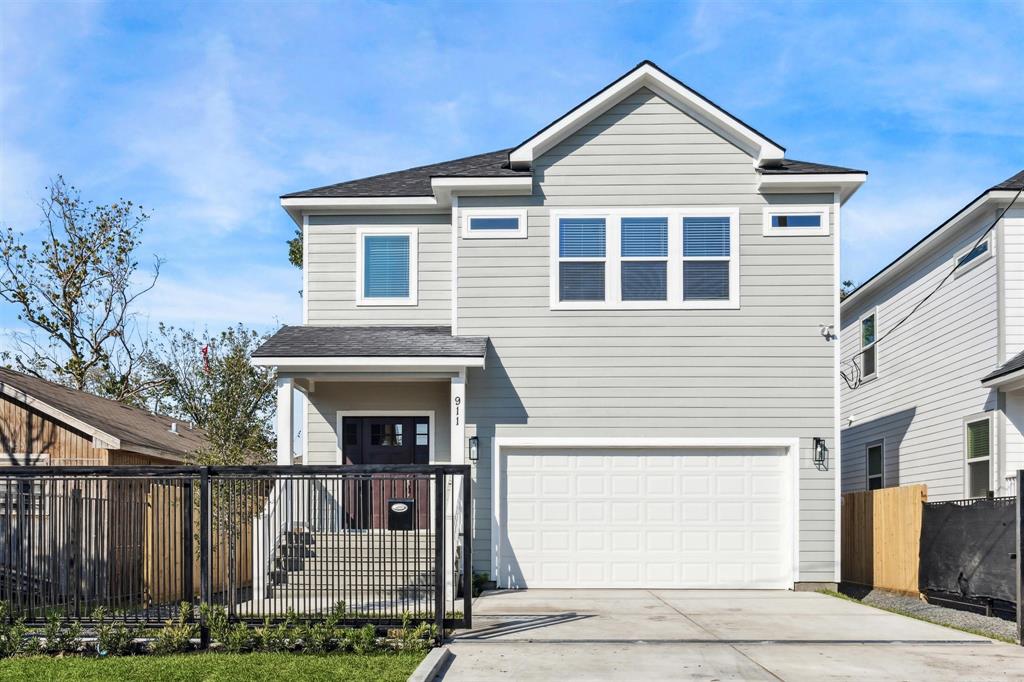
<point x="715" y="635"/>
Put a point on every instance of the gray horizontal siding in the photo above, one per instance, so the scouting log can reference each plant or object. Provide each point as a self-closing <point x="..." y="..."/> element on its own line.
<point x="760" y="371"/>
<point x="331" y="271"/>
<point x="928" y="373"/>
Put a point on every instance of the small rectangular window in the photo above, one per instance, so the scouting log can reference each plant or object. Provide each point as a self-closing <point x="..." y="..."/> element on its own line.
<point x="422" y="433"/>
<point x="876" y="466"/>
<point x="581" y="253"/>
<point x="493" y="223"/>
<point x="974" y="256"/>
<point x="978" y="448"/>
<point x="385" y="434"/>
<point x="868" y="348"/>
<point x="795" y="221"/>
<point x="386" y="267"/>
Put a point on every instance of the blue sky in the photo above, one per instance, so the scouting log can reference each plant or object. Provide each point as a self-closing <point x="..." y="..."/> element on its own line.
<point x="206" y="112"/>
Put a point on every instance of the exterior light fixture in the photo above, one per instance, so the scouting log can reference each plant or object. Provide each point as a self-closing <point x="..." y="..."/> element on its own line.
<point x="820" y="452"/>
<point x="474" y="448"/>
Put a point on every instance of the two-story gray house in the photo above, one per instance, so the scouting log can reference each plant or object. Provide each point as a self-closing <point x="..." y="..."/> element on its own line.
<point x="622" y="323"/>
<point x="933" y="347"/>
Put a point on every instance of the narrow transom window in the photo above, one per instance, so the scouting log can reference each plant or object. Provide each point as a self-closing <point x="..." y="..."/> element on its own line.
<point x="796" y="221"/>
<point x="386" y="267"/>
<point x="979" y="456"/>
<point x="974" y="256"/>
<point x="706" y="255"/>
<point x="644" y="252"/>
<point x="581" y="253"/>
<point x="494" y="223"/>
<point x="875" y="466"/>
<point x="868" y="348"/>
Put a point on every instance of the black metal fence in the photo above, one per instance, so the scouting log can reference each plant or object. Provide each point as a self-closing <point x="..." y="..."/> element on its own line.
<point x="264" y="542"/>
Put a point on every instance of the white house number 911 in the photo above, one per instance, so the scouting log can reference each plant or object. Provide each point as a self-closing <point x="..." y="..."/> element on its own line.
<point x="458" y="409"/>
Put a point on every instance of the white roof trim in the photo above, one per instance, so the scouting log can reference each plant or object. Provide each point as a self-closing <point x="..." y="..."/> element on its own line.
<point x="1006" y="382"/>
<point x="919" y="250"/>
<point x="845" y="183"/>
<point x="100" y="439"/>
<point x="444" y="187"/>
<point x="356" y="363"/>
<point x="649" y="76"/>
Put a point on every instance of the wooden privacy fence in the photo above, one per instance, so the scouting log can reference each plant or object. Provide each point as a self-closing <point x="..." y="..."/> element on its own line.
<point x="881" y="537"/>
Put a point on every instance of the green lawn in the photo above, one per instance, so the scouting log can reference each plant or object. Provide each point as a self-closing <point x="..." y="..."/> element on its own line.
<point x="235" y="667"/>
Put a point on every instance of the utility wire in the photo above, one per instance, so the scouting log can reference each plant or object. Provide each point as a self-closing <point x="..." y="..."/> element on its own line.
<point x="854" y="382"/>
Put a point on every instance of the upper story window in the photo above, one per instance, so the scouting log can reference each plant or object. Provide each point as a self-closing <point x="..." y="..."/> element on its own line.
<point x="493" y="223"/>
<point x="649" y="259"/>
<point x="978" y="450"/>
<point x="386" y="269"/>
<point x="974" y="255"/>
<point x="795" y="221"/>
<point x="868" y="345"/>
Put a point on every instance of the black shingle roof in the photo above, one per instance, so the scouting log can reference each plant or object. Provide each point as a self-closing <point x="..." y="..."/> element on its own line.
<point x="1009" y="367"/>
<point x="415" y="182"/>
<point x="1012" y="182"/>
<point x="307" y="341"/>
<point x="794" y="167"/>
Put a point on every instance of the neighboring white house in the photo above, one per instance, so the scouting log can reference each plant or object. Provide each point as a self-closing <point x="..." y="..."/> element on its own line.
<point x="627" y="316"/>
<point x="941" y="400"/>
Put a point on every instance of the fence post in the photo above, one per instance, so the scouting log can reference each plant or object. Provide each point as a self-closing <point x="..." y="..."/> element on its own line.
<point x="205" y="596"/>
<point x="439" y="569"/>
<point x="76" y="547"/>
<point x="1020" y="560"/>
<point x="467" y="549"/>
<point x="187" y="530"/>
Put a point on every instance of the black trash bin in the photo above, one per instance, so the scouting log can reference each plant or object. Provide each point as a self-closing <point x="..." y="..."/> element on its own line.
<point x="401" y="514"/>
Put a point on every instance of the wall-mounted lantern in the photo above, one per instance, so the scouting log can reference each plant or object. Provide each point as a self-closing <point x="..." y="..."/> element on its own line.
<point x="820" y="453"/>
<point x="474" y="448"/>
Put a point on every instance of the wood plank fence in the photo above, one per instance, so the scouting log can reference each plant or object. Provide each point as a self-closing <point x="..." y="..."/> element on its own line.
<point x="881" y="537"/>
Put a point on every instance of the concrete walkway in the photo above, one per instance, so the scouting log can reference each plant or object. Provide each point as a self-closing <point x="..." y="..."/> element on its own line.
<point x="716" y="635"/>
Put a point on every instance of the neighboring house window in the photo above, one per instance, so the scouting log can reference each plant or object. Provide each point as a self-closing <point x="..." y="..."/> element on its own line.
<point x="978" y="446"/>
<point x="795" y="221"/>
<point x="646" y="259"/>
<point x="581" y="254"/>
<point x="386" y="267"/>
<point x="868" y="345"/>
<point x="487" y="223"/>
<point x="974" y="256"/>
<point x="876" y="465"/>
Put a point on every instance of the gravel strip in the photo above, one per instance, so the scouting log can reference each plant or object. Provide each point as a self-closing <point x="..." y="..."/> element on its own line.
<point x="988" y="625"/>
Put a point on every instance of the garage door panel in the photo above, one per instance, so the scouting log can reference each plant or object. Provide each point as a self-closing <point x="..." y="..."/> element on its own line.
<point x="679" y="518"/>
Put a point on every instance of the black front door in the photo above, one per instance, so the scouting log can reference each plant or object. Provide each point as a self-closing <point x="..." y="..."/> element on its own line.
<point x="386" y="440"/>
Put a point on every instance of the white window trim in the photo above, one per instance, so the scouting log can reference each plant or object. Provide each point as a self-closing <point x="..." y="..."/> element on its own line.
<point x="862" y="347"/>
<point x="795" y="209"/>
<point x="613" y="258"/>
<point x="964" y="269"/>
<point x="469" y="213"/>
<point x="972" y="419"/>
<point x="867" y="464"/>
<point x="339" y="456"/>
<point x="361" y="234"/>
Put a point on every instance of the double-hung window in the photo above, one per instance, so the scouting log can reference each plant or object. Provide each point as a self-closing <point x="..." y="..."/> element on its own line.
<point x="581" y="259"/>
<point x="978" y="451"/>
<point x="386" y="269"/>
<point x="646" y="259"/>
<point x="868" y="348"/>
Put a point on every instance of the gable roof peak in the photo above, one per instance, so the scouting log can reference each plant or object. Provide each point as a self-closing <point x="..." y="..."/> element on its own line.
<point x="650" y="75"/>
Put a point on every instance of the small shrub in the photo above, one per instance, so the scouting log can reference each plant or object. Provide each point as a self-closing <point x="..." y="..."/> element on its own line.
<point x="479" y="581"/>
<point x="360" y="640"/>
<point x="319" y="638"/>
<point x="216" y="618"/>
<point x="61" y="639"/>
<point x="418" y="638"/>
<point x="177" y="633"/>
<point x="115" y="638"/>
<point x="12" y="634"/>
<point x="274" y="639"/>
<point x="238" y="639"/>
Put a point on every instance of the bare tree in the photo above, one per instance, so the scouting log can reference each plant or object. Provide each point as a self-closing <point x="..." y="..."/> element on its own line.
<point x="77" y="292"/>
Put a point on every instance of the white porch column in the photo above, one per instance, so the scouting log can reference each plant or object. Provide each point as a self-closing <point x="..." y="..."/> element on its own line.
<point x="285" y="419"/>
<point x="453" y="505"/>
<point x="458" y="415"/>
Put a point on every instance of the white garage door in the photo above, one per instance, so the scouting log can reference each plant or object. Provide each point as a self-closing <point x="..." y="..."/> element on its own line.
<point x="683" y="518"/>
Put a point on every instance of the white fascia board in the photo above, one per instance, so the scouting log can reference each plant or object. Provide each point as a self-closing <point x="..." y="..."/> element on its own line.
<point x="444" y="187"/>
<point x="648" y="76"/>
<point x="297" y="206"/>
<point x="100" y="439"/>
<point x="924" y="247"/>
<point x="844" y="183"/>
<point x="1006" y="382"/>
<point x="405" y="362"/>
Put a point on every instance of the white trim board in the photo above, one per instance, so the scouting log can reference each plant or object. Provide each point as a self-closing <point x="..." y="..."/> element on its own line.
<point x="404" y="362"/>
<point x="792" y="446"/>
<point x="340" y="414"/>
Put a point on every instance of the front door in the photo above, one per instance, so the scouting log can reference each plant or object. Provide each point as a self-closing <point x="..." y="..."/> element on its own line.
<point x="386" y="440"/>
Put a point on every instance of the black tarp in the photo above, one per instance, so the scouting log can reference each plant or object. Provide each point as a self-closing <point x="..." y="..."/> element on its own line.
<point x="967" y="548"/>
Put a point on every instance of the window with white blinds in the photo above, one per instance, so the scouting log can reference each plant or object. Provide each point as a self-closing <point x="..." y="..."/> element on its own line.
<point x="645" y="258"/>
<point x="386" y="266"/>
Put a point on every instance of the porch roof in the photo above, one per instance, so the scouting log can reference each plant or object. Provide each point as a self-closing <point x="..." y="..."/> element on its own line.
<point x="294" y="342"/>
<point x="1011" y="371"/>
